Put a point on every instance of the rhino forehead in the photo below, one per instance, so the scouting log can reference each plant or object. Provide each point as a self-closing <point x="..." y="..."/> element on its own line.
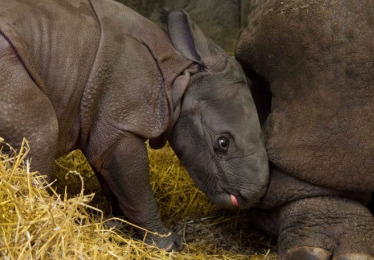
<point x="232" y="107"/>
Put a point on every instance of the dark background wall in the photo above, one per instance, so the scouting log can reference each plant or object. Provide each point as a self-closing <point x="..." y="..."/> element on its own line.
<point x="220" y="20"/>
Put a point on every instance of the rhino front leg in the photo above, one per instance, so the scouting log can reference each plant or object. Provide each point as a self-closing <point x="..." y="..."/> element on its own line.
<point x="324" y="228"/>
<point x="25" y="111"/>
<point x="126" y="172"/>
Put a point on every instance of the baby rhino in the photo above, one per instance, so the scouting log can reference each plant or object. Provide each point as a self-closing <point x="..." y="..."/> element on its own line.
<point x="95" y="75"/>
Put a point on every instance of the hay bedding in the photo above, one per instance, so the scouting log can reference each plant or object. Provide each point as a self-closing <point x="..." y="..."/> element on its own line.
<point x="43" y="221"/>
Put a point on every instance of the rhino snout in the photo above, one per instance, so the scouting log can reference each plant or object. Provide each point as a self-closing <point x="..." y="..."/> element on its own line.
<point x="226" y="200"/>
<point x="251" y="197"/>
<point x="255" y="188"/>
<point x="230" y="201"/>
<point x="243" y="199"/>
<point x="249" y="185"/>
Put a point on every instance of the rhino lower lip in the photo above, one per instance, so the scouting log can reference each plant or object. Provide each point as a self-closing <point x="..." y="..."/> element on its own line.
<point x="234" y="200"/>
<point x="239" y="201"/>
<point x="226" y="200"/>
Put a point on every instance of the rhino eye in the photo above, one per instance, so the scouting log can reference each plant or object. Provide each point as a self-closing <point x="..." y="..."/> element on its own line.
<point x="223" y="144"/>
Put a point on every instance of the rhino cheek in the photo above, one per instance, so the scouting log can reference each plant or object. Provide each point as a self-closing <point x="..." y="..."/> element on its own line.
<point x="203" y="172"/>
<point x="188" y="146"/>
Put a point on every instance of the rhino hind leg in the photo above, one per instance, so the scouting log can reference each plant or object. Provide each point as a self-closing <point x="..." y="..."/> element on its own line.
<point x="25" y="111"/>
<point x="326" y="228"/>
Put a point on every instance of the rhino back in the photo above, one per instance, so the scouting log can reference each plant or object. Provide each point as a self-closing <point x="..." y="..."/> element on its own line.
<point x="130" y="87"/>
<point x="317" y="57"/>
<point x="57" y="41"/>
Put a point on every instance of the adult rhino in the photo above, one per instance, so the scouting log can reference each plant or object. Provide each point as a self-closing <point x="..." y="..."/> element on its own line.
<point x="317" y="58"/>
<point x="95" y="75"/>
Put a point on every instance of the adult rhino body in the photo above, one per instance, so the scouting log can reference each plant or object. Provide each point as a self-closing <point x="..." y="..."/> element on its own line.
<point x="95" y="75"/>
<point x="317" y="58"/>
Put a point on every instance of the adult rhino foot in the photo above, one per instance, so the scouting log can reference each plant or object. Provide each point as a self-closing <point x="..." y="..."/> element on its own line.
<point x="326" y="228"/>
<point x="352" y="256"/>
<point x="307" y="253"/>
<point x="312" y="253"/>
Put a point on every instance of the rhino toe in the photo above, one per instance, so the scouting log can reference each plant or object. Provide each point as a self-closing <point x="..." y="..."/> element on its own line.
<point x="307" y="253"/>
<point x="173" y="242"/>
<point x="353" y="256"/>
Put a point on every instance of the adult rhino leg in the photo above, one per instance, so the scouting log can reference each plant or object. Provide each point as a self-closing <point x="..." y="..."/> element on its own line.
<point x="25" y="111"/>
<point x="326" y="228"/>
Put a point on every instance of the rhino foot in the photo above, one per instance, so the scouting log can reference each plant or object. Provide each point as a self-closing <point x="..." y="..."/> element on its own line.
<point x="326" y="228"/>
<point x="173" y="242"/>
<point x="313" y="253"/>
<point x="353" y="256"/>
<point x="168" y="242"/>
<point x="308" y="253"/>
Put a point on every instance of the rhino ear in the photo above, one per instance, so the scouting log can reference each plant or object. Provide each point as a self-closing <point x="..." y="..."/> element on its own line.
<point x="186" y="37"/>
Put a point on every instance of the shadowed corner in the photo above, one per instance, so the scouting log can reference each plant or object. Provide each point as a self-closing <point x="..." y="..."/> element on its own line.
<point x="371" y="204"/>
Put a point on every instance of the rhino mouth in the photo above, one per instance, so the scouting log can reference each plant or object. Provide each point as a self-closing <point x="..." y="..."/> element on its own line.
<point x="231" y="201"/>
<point x="234" y="201"/>
<point x="242" y="198"/>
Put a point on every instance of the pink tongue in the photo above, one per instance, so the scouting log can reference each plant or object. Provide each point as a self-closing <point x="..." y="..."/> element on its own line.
<point x="234" y="201"/>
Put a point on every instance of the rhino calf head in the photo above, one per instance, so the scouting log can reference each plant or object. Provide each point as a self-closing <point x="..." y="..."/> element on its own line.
<point x="218" y="135"/>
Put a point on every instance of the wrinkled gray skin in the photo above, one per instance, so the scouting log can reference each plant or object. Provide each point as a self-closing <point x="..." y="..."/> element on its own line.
<point x="95" y="75"/>
<point x="317" y="59"/>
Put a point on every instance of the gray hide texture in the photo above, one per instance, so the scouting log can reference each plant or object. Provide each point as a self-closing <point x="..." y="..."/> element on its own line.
<point x="316" y="58"/>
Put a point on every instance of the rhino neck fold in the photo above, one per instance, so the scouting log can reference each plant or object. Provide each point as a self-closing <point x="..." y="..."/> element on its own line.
<point x="131" y="88"/>
<point x="178" y="88"/>
<point x="293" y="189"/>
